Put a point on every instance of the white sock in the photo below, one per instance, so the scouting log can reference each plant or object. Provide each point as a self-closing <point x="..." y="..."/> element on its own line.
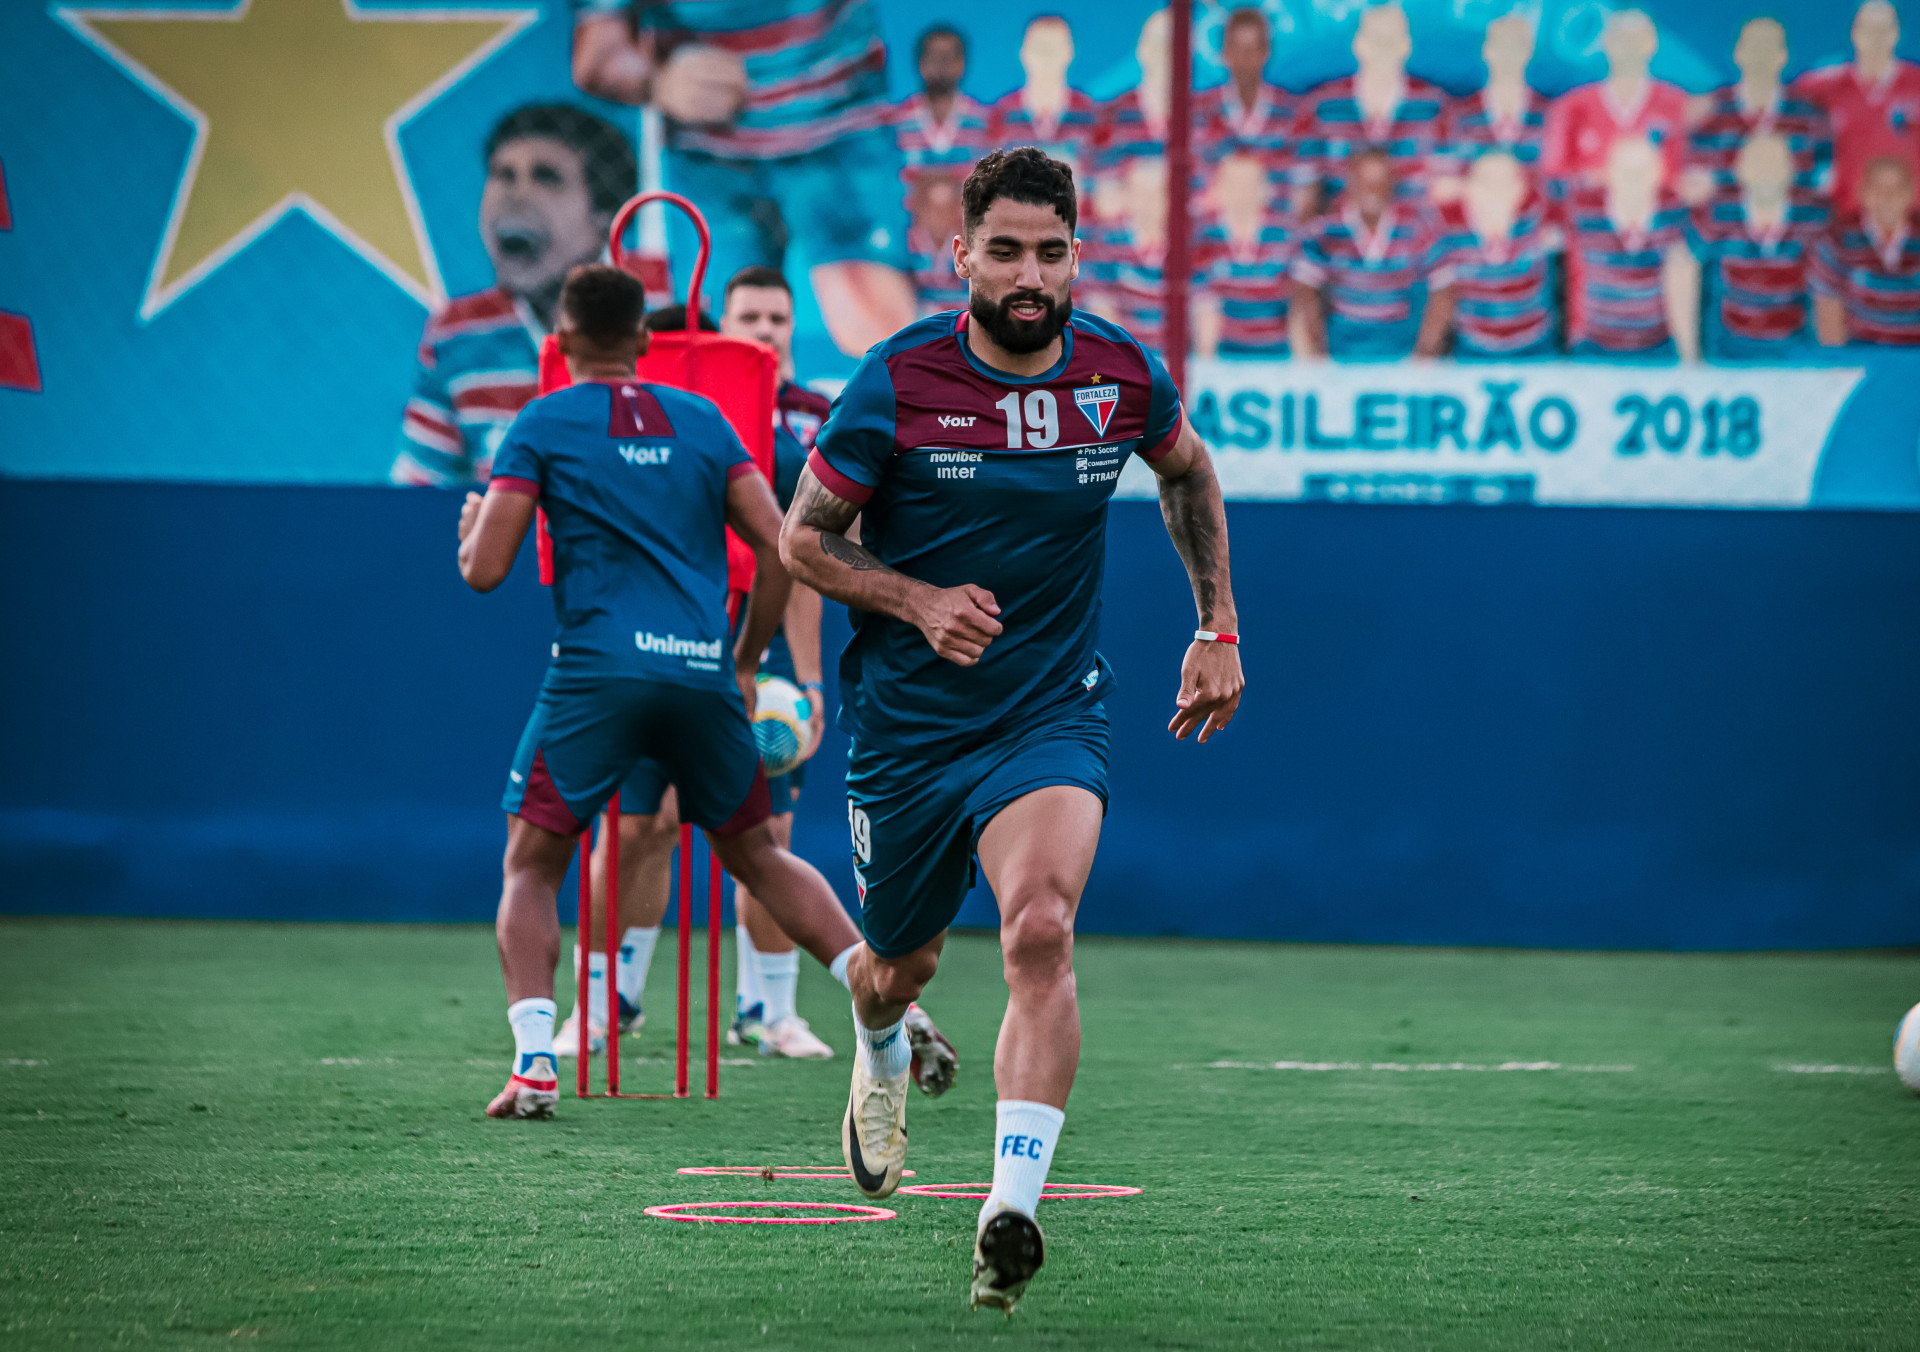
<point x="1023" y="1141"/>
<point x="636" y="955"/>
<point x="839" y="965"/>
<point x="746" y="972"/>
<point x="532" y="1023"/>
<point x="779" y="979"/>
<point x="883" y="1051"/>
<point x="596" y="983"/>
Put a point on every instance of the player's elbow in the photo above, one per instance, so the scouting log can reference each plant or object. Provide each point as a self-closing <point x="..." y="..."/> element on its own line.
<point x="480" y="572"/>
<point x="787" y="547"/>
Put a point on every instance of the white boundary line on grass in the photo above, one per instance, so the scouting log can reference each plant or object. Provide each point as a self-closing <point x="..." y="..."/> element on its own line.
<point x="1414" y="1067"/>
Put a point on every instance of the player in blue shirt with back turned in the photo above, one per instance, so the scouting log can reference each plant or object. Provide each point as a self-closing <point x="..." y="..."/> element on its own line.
<point x="979" y="449"/>
<point x="639" y="482"/>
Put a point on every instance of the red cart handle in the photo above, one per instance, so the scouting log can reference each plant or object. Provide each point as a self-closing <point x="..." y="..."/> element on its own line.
<point x="625" y="217"/>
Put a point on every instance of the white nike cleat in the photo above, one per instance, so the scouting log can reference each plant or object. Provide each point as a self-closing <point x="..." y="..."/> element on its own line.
<point x="566" y="1038"/>
<point x="935" y="1062"/>
<point x="794" y="1039"/>
<point x="1008" y="1250"/>
<point x="873" y="1135"/>
<point x="533" y="1090"/>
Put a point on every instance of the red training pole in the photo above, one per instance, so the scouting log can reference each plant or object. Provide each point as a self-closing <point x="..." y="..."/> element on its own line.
<point x="610" y="830"/>
<point x="686" y="959"/>
<point x="580" y="999"/>
<point x="1179" y="186"/>
<point x="713" y="974"/>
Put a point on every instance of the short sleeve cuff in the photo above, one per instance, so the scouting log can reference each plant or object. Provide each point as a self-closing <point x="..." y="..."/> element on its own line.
<point x="734" y="471"/>
<point x="837" y="483"/>
<point x="1305" y="270"/>
<point x="1156" y="454"/>
<point x="1441" y="278"/>
<point x="508" y="483"/>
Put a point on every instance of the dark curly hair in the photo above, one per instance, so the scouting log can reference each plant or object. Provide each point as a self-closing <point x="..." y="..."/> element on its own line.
<point x="603" y="302"/>
<point x="1022" y="174"/>
<point x="605" y="152"/>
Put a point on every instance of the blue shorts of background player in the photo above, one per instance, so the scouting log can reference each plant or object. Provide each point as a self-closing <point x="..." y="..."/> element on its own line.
<point x="588" y="733"/>
<point x="916" y="824"/>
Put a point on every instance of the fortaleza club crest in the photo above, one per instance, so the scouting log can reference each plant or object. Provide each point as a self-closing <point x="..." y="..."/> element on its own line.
<point x="1098" y="402"/>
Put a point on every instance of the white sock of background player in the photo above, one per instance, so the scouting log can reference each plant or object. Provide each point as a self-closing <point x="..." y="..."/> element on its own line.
<point x="746" y="972"/>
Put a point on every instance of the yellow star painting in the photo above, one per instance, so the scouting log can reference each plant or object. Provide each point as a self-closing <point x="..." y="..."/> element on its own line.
<point x="295" y="105"/>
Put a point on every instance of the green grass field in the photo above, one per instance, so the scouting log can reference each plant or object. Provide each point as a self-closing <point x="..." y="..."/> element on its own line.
<point x="221" y="1132"/>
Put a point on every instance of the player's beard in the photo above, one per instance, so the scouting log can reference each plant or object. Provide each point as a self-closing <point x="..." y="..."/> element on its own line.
<point x="1018" y="336"/>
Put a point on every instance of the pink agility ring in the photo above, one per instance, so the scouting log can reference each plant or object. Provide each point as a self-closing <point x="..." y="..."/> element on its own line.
<point x="771" y="1172"/>
<point x="678" y="1212"/>
<point x="1051" y="1192"/>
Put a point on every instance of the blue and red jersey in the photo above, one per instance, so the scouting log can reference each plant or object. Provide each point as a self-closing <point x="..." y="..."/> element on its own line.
<point x="1223" y="126"/>
<point x="1715" y="141"/>
<point x="816" y="69"/>
<point x="1868" y="119"/>
<point x="1615" y="293"/>
<point x="1503" y="288"/>
<point x="937" y="156"/>
<point x="633" y="478"/>
<point x="1876" y="279"/>
<point x="1757" y="282"/>
<point x="965" y="474"/>
<point x="1126" y="131"/>
<point x="1248" y="275"/>
<point x="1472" y="129"/>
<point x="479" y="363"/>
<point x="1072" y="135"/>
<point x="1329" y="125"/>
<point x="1375" y="280"/>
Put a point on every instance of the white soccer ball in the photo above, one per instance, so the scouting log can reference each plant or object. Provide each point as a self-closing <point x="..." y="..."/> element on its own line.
<point x="782" y="726"/>
<point x="1906" y="1050"/>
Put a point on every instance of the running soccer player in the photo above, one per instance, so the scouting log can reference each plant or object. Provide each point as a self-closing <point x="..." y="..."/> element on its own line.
<point x="638" y="482"/>
<point x="979" y="448"/>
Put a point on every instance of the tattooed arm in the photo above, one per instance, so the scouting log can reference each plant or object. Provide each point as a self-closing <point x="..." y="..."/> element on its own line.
<point x="958" y="621"/>
<point x="1196" y="517"/>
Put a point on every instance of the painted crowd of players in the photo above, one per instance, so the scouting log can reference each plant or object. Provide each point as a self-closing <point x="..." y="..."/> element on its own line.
<point x="1378" y="216"/>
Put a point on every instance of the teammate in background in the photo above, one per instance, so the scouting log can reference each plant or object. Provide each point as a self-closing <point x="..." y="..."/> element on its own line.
<point x="1872" y="103"/>
<point x="640" y="669"/>
<point x="1247" y="115"/>
<point x="1504" y="115"/>
<point x="1242" y="252"/>
<point x="941" y="134"/>
<point x="972" y="689"/>
<point x="1866" y="274"/>
<point x="1045" y="111"/>
<point x="1585" y="123"/>
<point x="1365" y="273"/>
<point x="1756" y="105"/>
<point x="776" y="120"/>
<point x="555" y="177"/>
<point x="1379" y="108"/>
<point x="1632" y="290"/>
<point x="1756" y="250"/>
<point x="758" y="304"/>
<point x="1499" y="248"/>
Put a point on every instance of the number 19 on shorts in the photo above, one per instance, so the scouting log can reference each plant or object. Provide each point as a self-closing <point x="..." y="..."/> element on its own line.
<point x="862" y="831"/>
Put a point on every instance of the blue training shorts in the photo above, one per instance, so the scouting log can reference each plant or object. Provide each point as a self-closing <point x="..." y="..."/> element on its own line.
<point x="588" y="732"/>
<point x="917" y="823"/>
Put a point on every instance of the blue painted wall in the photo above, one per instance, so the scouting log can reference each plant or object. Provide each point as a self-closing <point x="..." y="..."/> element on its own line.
<point x="1530" y="727"/>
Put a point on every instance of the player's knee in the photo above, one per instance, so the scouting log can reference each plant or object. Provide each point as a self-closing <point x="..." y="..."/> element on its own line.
<point x="900" y="982"/>
<point x="1036" y="940"/>
<point x="650" y="835"/>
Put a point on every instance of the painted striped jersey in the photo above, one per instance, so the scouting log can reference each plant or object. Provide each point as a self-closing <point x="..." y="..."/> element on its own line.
<point x="1070" y="135"/>
<point x="1756" y="281"/>
<point x="1372" y="277"/>
<point x="1472" y="130"/>
<point x="1329" y="125"/>
<point x="1878" y="280"/>
<point x="1127" y="131"/>
<point x="1715" y="140"/>
<point x="1248" y="276"/>
<point x="936" y="159"/>
<point x="1128" y="281"/>
<point x="1503" y="287"/>
<point x="478" y="366"/>
<point x="1224" y="126"/>
<point x="1614" y="290"/>
<point x="816" y="69"/>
